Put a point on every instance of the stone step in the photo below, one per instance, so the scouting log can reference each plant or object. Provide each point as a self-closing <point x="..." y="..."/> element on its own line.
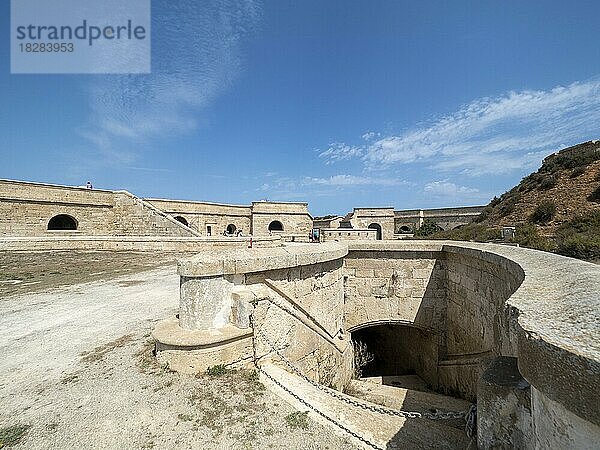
<point x="366" y="428"/>
<point x="408" y="393"/>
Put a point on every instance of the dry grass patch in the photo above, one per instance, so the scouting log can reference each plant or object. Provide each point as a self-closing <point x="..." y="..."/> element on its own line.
<point x="12" y="435"/>
<point x="100" y="352"/>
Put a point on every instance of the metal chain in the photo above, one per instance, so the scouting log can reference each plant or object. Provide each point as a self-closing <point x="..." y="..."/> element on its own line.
<point x="322" y="414"/>
<point x="300" y="399"/>
<point x="471" y="419"/>
<point x="437" y="415"/>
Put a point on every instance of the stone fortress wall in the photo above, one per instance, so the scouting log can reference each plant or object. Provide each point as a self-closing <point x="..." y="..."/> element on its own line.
<point x="380" y="219"/>
<point x="446" y="218"/>
<point x="390" y="223"/>
<point x="204" y="216"/>
<point x="514" y="329"/>
<point x="27" y="210"/>
<point x="294" y="218"/>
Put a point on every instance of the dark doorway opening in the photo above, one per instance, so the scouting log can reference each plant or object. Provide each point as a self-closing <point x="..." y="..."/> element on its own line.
<point x="398" y="350"/>
<point x="62" y="222"/>
<point x="276" y="225"/>
<point x="231" y="228"/>
<point x="376" y="226"/>
<point x="182" y="220"/>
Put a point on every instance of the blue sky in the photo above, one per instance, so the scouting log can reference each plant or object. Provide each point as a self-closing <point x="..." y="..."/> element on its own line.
<point x="338" y="103"/>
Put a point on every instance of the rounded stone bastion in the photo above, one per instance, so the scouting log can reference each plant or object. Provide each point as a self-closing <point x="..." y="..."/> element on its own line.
<point x="238" y="307"/>
<point x="512" y="329"/>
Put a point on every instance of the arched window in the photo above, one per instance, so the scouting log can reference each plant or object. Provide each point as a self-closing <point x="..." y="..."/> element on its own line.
<point x="62" y="222"/>
<point x="376" y="226"/>
<point x="276" y="225"/>
<point x="182" y="220"/>
<point x="231" y="228"/>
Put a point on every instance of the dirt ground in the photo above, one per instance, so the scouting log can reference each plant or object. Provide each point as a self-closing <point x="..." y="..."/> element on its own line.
<point x="22" y="272"/>
<point x="77" y="370"/>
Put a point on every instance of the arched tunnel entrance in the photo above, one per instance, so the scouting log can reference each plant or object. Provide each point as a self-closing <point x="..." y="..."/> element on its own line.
<point x="398" y="353"/>
<point x="376" y="227"/>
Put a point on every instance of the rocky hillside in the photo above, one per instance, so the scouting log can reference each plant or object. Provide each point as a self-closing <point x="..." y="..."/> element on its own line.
<point x="556" y="208"/>
<point x="565" y="186"/>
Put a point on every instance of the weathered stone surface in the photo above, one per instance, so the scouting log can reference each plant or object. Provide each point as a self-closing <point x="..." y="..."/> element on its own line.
<point x="503" y="407"/>
<point x="241" y="307"/>
<point x="244" y="261"/>
<point x="556" y="427"/>
<point x="26" y="208"/>
<point x="205" y="302"/>
<point x="472" y="302"/>
<point x="194" y="351"/>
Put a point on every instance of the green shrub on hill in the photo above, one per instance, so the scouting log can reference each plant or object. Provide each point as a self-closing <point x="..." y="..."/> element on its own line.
<point x="580" y="237"/>
<point x="548" y="182"/>
<point x="577" y="171"/>
<point x="527" y="235"/>
<point x="470" y="232"/>
<point x="428" y="228"/>
<point x="572" y="158"/>
<point x="595" y="196"/>
<point x="543" y="213"/>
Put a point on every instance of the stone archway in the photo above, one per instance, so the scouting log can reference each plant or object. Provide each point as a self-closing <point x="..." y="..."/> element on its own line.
<point x="398" y="350"/>
<point x="377" y="227"/>
<point x="231" y="229"/>
<point x="276" y="225"/>
<point x="62" y="222"/>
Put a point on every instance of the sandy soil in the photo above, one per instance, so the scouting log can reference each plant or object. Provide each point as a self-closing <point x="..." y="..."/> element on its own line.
<point x="77" y="371"/>
<point x="23" y="272"/>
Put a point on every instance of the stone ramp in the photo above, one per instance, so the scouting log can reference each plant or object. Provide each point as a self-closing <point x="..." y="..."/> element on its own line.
<point x="408" y="398"/>
<point x="368" y="428"/>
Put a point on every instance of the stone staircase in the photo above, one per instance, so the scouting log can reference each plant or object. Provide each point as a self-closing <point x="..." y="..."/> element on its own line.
<point x="366" y="426"/>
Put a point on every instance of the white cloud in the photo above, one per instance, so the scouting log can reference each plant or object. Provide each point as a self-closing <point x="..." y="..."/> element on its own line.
<point x="446" y="188"/>
<point x="450" y="193"/>
<point x="290" y="188"/>
<point x="339" y="152"/>
<point x="352" y="180"/>
<point x="370" y="135"/>
<point x="490" y="135"/>
<point x="196" y="56"/>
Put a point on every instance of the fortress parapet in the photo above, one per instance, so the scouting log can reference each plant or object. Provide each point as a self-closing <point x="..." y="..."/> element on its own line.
<point x="513" y="329"/>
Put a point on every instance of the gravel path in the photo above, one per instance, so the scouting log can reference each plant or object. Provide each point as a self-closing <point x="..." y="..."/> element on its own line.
<point x="77" y="372"/>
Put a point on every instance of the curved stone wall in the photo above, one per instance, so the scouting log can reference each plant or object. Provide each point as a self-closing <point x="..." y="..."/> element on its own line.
<point x="293" y="294"/>
<point x="485" y="301"/>
<point x="514" y="329"/>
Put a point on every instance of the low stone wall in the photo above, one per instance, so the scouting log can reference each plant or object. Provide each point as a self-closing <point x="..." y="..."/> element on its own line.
<point x="348" y="234"/>
<point x="73" y="242"/>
